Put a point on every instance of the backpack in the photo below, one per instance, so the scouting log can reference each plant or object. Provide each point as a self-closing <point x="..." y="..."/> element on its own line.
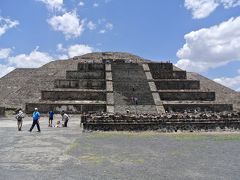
<point x="19" y="117"/>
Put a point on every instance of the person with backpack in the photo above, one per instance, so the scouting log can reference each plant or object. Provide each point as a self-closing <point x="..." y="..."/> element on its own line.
<point x="36" y="117"/>
<point x="19" y="117"/>
<point x="65" y="118"/>
<point x="50" y="115"/>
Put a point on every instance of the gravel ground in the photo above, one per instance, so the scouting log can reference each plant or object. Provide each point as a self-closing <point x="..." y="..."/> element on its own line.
<point x="69" y="153"/>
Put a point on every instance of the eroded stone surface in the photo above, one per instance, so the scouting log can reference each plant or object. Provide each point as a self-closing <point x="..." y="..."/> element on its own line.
<point x="67" y="153"/>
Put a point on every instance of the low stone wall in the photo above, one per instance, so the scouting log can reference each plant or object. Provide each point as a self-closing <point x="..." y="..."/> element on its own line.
<point x="199" y="107"/>
<point x="177" y="84"/>
<point x="160" y="66"/>
<point x="85" y="67"/>
<point x="191" y="96"/>
<point x="2" y="111"/>
<point x="169" y="74"/>
<point x="80" y="84"/>
<point x="85" y="75"/>
<point x="73" y="95"/>
<point x="165" y="123"/>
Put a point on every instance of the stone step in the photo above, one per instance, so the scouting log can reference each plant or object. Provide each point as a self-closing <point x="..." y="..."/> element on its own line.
<point x="132" y="66"/>
<point x="86" y="67"/>
<point x="200" y="107"/>
<point x="85" y="75"/>
<point x="126" y="77"/>
<point x="179" y="95"/>
<point x="177" y="84"/>
<point x="160" y="67"/>
<point x="56" y="95"/>
<point x="80" y="84"/>
<point x="71" y="107"/>
<point x="169" y="74"/>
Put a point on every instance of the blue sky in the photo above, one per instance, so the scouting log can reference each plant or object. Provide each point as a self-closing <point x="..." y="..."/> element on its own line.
<point x="197" y="35"/>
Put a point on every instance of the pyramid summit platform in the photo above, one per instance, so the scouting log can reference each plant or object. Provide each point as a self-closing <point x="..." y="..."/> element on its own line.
<point x="113" y="82"/>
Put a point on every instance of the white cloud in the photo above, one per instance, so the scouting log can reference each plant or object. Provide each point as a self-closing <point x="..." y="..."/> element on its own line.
<point x="69" y="24"/>
<point x="31" y="60"/>
<point x="95" y="5"/>
<point x="107" y="27"/>
<point x="6" y="24"/>
<point x="81" y="3"/>
<point x="91" y="25"/>
<point x="37" y="58"/>
<point x="74" y="50"/>
<point x="231" y="82"/>
<point x="102" y="31"/>
<point x="60" y="47"/>
<point x="5" y="69"/>
<point x="53" y="4"/>
<point x="4" y="53"/>
<point x="203" y="8"/>
<point x="79" y="49"/>
<point x="211" y="47"/>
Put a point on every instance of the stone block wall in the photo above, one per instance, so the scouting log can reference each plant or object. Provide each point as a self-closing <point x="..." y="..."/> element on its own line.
<point x="191" y="107"/>
<point x="191" y="96"/>
<point x="129" y="81"/>
<point x="177" y="84"/>
<point x="86" y="67"/>
<point x="85" y="75"/>
<point x="165" y="122"/>
<point x="2" y="111"/>
<point x="169" y="74"/>
<point x="73" y="95"/>
<point x="160" y="67"/>
<point x="81" y="84"/>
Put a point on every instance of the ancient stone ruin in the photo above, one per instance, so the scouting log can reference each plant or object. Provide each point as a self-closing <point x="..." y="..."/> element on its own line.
<point x="114" y="83"/>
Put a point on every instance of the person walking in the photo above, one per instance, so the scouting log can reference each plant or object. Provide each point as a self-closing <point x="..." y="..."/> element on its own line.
<point x="19" y="117"/>
<point x="36" y="117"/>
<point x="50" y="115"/>
<point x="65" y="118"/>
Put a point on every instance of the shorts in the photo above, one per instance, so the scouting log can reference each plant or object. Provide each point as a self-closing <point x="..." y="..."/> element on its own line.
<point x="51" y="118"/>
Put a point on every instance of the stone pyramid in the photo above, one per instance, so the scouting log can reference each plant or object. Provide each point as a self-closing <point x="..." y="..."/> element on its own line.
<point x="116" y="83"/>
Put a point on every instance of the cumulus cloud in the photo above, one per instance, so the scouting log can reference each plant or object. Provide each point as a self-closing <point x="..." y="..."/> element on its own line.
<point x="91" y="25"/>
<point x="211" y="47"/>
<point x="74" y="50"/>
<point x="6" y="24"/>
<point x="81" y="3"/>
<point x="203" y="8"/>
<point x="95" y="5"/>
<point x="4" y="53"/>
<point x="231" y="82"/>
<point x="107" y="27"/>
<point x="79" y="49"/>
<point x="5" y="70"/>
<point x="38" y="58"/>
<point x="53" y="4"/>
<point x="32" y="60"/>
<point x="69" y="24"/>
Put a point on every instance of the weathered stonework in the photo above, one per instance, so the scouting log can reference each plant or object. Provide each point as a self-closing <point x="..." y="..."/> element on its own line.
<point x="2" y="111"/>
<point x="165" y="123"/>
<point x="115" y="83"/>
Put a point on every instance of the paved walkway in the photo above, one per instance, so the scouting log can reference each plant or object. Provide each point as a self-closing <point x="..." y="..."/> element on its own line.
<point x="68" y="153"/>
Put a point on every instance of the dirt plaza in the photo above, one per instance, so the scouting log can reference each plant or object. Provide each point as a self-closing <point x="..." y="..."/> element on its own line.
<point x="70" y="153"/>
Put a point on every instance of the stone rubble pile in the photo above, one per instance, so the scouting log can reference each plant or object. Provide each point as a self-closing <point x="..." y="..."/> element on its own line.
<point x="140" y="118"/>
<point x="170" y="122"/>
